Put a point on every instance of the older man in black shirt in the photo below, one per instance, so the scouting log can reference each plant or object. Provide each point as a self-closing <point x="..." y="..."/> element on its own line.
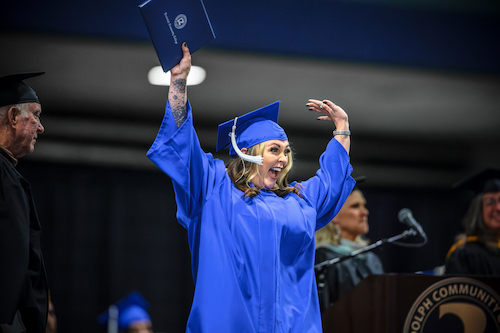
<point x="23" y="283"/>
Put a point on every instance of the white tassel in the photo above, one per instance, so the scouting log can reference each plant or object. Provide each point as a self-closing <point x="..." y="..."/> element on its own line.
<point x="243" y="156"/>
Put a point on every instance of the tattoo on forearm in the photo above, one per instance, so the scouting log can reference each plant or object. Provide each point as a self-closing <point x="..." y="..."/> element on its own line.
<point x="180" y="115"/>
<point x="177" y="96"/>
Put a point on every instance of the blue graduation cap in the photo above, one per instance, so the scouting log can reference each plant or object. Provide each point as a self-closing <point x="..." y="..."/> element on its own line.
<point x="131" y="309"/>
<point x="250" y="129"/>
<point x="14" y="91"/>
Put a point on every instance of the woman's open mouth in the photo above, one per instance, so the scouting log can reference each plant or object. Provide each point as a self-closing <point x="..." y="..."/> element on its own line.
<point x="275" y="172"/>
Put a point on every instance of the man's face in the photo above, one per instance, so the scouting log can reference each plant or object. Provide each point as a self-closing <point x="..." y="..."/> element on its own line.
<point x="27" y="128"/>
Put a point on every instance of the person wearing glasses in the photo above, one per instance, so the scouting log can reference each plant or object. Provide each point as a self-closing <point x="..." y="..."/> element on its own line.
<point x="478" y="250"/>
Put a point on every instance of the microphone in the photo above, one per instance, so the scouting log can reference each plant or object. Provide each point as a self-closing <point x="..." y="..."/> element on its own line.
<point x="405" y="216"/>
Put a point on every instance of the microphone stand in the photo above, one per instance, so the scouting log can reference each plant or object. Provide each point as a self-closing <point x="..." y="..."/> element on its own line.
<point x="321" y="267"/>
<point x="404" y="234"/>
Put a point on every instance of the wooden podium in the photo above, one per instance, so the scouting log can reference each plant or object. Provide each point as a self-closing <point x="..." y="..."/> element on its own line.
<point x="381" y="303"/>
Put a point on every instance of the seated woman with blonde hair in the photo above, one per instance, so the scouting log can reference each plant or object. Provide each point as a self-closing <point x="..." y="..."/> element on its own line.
<point x="342" y="236"/>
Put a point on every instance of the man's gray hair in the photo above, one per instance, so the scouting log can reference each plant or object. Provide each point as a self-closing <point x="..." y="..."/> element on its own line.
<point x="22" y="107"/>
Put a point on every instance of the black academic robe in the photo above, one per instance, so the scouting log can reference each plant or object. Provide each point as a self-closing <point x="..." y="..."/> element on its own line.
<point x="23" y="282"/>
<point x="474" y="257"/>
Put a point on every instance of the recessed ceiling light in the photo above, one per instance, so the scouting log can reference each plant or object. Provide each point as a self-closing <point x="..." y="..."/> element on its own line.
<point x="157" y="77"/>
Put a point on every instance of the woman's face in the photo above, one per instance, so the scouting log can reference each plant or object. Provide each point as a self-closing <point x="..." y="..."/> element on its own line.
<point x="491" y="211"/>
<point x="352" y="219"/>
<point x="275" y="159"/>
<point x="140" y="327"/>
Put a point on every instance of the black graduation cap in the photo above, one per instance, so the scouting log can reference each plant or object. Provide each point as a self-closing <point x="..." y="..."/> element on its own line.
<point x="359" y="180"/>
<point x="13" y="90"/>
<point x="487" y="180"/>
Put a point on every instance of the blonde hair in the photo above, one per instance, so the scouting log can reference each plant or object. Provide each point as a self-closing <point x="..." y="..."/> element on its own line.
<point x="242" y="172"/>
<point x="330" y="233"/>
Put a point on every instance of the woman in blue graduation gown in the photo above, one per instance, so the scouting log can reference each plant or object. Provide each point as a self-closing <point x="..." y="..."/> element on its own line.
<point x="251" y="234"/>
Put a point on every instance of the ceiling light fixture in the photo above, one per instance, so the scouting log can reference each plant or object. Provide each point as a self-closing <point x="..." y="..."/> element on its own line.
<point x="157" y="77"/>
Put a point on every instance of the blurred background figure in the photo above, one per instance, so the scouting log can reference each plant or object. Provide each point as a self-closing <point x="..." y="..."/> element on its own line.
<point x="343" y="235"/>
<point x="128" y="315"/>
<point x="478" y="250"/>
<point x="51" y="318"/>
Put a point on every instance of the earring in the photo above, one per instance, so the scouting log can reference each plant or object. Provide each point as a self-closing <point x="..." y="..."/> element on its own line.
<point x="336" y="234"/>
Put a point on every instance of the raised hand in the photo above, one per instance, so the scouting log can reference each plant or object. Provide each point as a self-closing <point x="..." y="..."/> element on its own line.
<point x="181" y="70"/>
<point x="177" y="94"/>
<point x="332" y="112"/>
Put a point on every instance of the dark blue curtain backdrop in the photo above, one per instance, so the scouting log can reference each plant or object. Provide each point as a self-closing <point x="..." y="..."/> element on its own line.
<point x="109" y="231"/>
<point x="447" y="36"/>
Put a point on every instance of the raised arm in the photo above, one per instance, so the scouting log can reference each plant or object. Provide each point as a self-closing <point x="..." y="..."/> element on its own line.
<point x="334" y="113"/>
<point x="177" y="94"/>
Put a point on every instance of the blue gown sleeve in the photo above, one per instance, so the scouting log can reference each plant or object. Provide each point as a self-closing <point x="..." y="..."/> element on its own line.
<point x="332" y="184"/>
<point x="194" y="173"/>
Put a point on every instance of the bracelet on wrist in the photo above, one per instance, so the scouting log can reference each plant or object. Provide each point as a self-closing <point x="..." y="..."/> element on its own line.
<point x="341" y="133"/>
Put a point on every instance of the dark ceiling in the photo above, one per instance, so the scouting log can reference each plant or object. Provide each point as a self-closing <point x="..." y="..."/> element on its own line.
<point x="419" y="79"/>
